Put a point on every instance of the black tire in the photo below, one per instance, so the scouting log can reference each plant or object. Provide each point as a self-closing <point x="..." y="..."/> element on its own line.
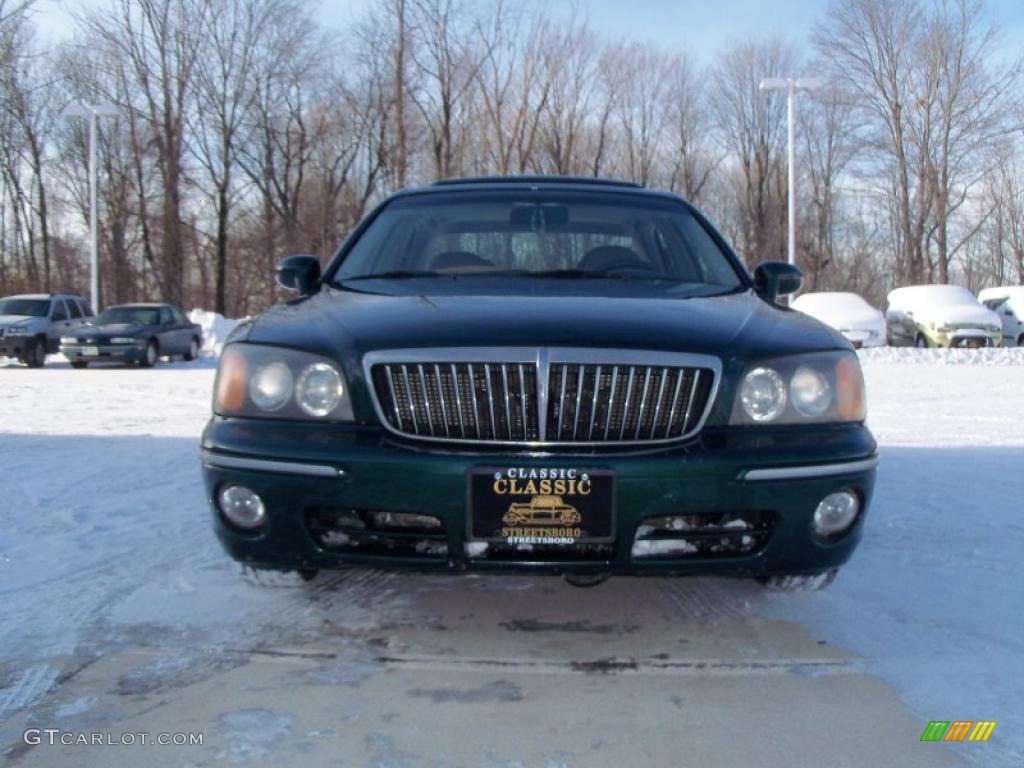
<point x="1020" y="340"/>
<point x="799" y="582"/>
<point x="79" y="364"/>
<point x="193" y="349"/>
<point x="585" y="580"/>
<point x="921" y="342"/>
<point x="36" y="357"/>
<point x="150" y="355"/>
<point x="267" y="578"/>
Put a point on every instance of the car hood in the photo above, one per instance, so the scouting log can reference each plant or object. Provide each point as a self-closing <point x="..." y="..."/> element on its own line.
<point x="107" y="331"/>
<point x="339" y="323"/>
<point x="957" y="314"/>
<point x="6" y="320"/>
<point x="848" y="319"/>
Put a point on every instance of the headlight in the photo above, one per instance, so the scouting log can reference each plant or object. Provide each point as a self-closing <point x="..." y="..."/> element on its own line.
<point x="17" y="330"/>
<point x="320" y="389"/>
<point x="810" y="391"/>
<point x="123" y="340"/>
<point x="824" y="387"/>
<point x="763" y="394"/>
<point x="276" y="382"/>
<point x="271" y="386"/>
<point x="68" y="340"/>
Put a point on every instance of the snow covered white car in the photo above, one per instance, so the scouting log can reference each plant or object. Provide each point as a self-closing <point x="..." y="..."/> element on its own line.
<point x="1008" y="303"/>
<point x="940" y="316"/>
<point x="848" y="313"/>
<point x="481" y="344"/>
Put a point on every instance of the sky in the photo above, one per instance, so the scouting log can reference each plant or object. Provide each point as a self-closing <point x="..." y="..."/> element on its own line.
<point x="699" y="26"/>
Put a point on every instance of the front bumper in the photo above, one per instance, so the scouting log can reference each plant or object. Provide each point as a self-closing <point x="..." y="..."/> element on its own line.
<point x="104" y="353"/>
<point x="15" y="346"/>
<point x="772" y="472"/>
<point x="966" y="337"/>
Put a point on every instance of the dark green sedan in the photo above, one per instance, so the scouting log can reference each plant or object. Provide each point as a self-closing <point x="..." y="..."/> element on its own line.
<point x="539" y="374"/>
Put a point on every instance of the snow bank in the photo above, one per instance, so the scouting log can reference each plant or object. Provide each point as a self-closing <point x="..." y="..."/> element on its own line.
<point x="216" y="329"/>
<point x="984" y="356"/>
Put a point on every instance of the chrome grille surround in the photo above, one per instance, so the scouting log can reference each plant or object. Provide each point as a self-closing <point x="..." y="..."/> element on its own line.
<point x="542" y="397"/>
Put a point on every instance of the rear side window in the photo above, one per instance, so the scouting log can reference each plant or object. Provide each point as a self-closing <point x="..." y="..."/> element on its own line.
<point x="76" y="311"/>
<point x="59" y="311"/>
<point x="179" y="316"/>
<point x="165" y="316"/>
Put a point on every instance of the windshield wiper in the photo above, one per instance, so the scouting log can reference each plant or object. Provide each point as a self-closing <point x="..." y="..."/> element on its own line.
<point x="395" y="274"/>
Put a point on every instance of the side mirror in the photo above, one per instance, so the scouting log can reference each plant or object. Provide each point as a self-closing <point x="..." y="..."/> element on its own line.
<point x="299" y="273"/>
<point x="776" y="278"/>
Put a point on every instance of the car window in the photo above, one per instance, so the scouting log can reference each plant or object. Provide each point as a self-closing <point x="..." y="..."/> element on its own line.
<point x="179" y="316"/>
<point x="994" y="303"/>
<point x="128" y="316"/>
<point x="25" y="307"/>
<point x="519" y="233"/>
<point x="166" y="316"/>
<point x="74" y="309"/>
<point x="86" y="309"/>
<point x="59" y="311"/>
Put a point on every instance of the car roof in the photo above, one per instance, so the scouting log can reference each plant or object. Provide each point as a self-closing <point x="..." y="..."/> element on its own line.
<point x="537" y="182"/>
<point x="43" y="296"/>
<point x="140" y="305"/>
<point x="1002" y="290"/>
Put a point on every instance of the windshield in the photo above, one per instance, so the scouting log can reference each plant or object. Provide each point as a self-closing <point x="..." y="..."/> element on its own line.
<point x="538" y="234"/>
<point x="25" y="307"/>
<point x="128" y="316"/>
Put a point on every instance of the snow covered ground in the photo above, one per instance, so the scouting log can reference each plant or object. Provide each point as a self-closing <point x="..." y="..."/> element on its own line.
<point x="119" y="612"/>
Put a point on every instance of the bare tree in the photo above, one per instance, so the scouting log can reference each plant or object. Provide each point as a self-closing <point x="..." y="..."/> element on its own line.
<point x="752" y="126"/>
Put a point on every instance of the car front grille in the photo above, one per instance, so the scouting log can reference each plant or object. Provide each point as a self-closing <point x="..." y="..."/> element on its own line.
<point x="543" y="397"/>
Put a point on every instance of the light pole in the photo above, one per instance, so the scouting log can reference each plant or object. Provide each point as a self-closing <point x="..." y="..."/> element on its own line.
<point x="791" y="86"/>
<point x="92" y="112"/>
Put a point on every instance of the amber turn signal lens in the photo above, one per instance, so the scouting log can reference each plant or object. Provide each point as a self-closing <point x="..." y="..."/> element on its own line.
<point x="231" y="381"/>
<point x="850" y="402"/>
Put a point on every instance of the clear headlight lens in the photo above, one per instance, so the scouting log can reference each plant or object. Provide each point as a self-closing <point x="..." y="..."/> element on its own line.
<point x="123" y="340"/>
<point x="271" y="386"/>
<point x="319" y="389"/>
<point x="810" y="392"/>
<point x="17" y="330"/>
<point x="763" y="394"/>
<point x="276" y="382"/>
<point x="821" y="387"/>
<point x="68" y="340"/>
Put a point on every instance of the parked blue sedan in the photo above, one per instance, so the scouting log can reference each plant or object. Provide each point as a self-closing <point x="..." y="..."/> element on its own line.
<point x="133" y="333"/>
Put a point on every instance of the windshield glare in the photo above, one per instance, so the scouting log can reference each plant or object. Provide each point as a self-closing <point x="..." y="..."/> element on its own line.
<point x="128" y="316"/>
<point x="514" y="233"/>
<point x="25" y="307"/>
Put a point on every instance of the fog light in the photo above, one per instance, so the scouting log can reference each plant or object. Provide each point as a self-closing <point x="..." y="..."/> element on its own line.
<point x="836" y="513"/>
<point x="242" y="506"/>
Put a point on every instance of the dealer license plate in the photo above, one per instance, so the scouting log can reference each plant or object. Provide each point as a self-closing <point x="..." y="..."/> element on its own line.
<point x="534" y="505"/>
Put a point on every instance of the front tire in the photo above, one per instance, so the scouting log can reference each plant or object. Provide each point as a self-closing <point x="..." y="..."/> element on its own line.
<point x="79" y="364"/>
<point x="1020" y="340"/>
<point x="193" y="349"/>
<point x="149" y="356"/>
<point x="921" y="342"/>
<point x="36" y="357"/>
<point x="269" y="578"/>
<point x="799" y="582"/>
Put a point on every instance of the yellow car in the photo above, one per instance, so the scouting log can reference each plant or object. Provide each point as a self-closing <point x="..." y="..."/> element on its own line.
<point x="542" y="510"/>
